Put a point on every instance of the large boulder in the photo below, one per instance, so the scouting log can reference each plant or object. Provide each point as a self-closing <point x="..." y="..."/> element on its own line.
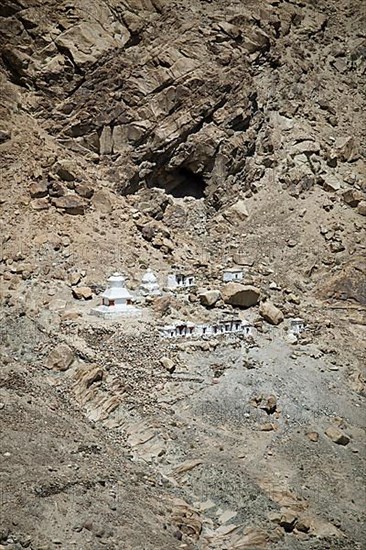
<point x="209" y="298"/>
<point x="271" y="313"/>
<point x="60" y="358"/>
<point x="240" y="295"/>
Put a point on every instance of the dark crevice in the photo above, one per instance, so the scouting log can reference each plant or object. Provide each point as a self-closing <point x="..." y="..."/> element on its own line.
<point x="180" y="182"/>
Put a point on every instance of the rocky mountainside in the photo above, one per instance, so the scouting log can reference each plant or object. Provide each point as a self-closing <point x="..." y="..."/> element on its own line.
<point x="191" y="136"/>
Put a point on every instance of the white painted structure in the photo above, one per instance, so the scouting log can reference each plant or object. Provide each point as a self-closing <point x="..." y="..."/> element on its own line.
<point x="228" y="326"/>
<point x="178" y="280"/>
<point x="149" y="284"/>
<point x="116" y="299"/>
<point x="178" y="329"/>
<point x="232" y="274"/>
<point x="297" y="325"/>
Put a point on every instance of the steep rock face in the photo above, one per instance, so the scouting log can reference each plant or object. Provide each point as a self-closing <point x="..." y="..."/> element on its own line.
<point x="199" y="100"/>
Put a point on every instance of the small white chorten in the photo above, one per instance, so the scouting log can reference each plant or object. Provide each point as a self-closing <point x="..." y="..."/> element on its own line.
<point x="149" y="284"/>
<point x="116" y="299"/>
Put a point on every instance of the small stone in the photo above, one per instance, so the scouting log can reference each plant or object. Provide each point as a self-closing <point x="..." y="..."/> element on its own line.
<point x="313" y="436"/>
<point x="74" y="278"/>
<point x="266" y="427"/>
<point x="269" y="405"/>
<point x="38" y="189"/>
<point x="303" y="524"/>
<point x="82" y="293"/>
<point x="4" y="136"/>
<point x="60" y="358"/>
<point x="237" y="212"/>
<point x="71" y="204"/>
<point x="40" y="204"/>
<point x="66" y="169"/>
<point x="288" y="520"/>
<point x="353" y="197"/>
<point x="337" y="435"/>
<point x="168" y="364"/>
<point x="361" y="208"/>
<point x="84" y="190"/>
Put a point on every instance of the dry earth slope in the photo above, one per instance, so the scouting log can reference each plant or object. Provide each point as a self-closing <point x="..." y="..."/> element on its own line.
<point x="193" y="134"/>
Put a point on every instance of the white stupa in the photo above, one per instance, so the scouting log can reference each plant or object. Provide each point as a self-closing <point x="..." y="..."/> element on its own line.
<point x="116" y="299"/>
<point x="149" y="284"/>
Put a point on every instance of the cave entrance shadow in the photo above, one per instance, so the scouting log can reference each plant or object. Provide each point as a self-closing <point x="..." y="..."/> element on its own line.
<point x="180" y="182"/>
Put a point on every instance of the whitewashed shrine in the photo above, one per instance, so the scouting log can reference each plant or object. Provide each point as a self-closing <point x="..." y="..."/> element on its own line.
<point x="232" y="274"/>
<point x="178" y="280"/>
<point x="149" y="284"/>
<point x="116" y="299"/>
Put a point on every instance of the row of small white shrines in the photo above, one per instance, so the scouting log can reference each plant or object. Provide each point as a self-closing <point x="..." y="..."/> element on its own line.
<point x="118" y="301"/>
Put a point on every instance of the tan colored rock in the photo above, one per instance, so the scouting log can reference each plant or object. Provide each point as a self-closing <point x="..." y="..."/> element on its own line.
<point x="102" y="201"/>
<point x="168" y="364"/>
<point x="288" y="520"/>
<point x="313" y="436"/>
<point x="353" y="197"/>
<point x="74" y="278"/>
<point x="267" y="427"/>
<point x="40" y="204"/>
<point x="346" y="149"/>
<point x="269" y="404"/>
<point x="60" y="358"/>
<point x="337" y="435"/>
<point x="209" y="297"/>
<point x="106" y="141"/>
<point x="66" y="169"/>
<point x="361" y="208"/>
<point x="82" y="293"/>
<point x="84" y="190"/>
<point x="237" y="212"/>
<point x="38" y="189"/>
<point x="240" y="295"/>
<point x="271" y="313"/>
<point x="303" y="524"/>
<point x="71" y="204"/>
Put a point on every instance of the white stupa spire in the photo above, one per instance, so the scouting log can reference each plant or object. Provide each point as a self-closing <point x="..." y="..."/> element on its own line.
<point x="149" y="284"/>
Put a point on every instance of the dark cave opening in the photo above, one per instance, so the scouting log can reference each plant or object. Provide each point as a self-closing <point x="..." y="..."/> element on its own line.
<point x="180" y="182"/>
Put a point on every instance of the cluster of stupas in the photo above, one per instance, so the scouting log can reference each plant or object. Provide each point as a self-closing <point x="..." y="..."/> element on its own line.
<point x="117" y="299"/>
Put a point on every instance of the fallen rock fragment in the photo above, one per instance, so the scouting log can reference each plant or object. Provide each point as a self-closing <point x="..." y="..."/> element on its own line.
<point x="361" y="208"/>
<point x="186" y="466"/>
<point x="313" y="436"/>
<point x="337" y="436"/>
<point x="66" y="169"/>
<point x="209" y="298"/>
<point x="60" y="358"/>
<point x="353" y="197"/>
<point x="288" y="520"/>
<point x="71" y="204"/>
<point x="38" y="189"/>
<point x="168" y="364"/>
<point x="237" y="212"/>
<point x="240" y="295"/>
<point x="269" y="404"/>
<point x="303" y="524"/>
<point x="82" y="293"/>
<point x="271" y="313"/>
